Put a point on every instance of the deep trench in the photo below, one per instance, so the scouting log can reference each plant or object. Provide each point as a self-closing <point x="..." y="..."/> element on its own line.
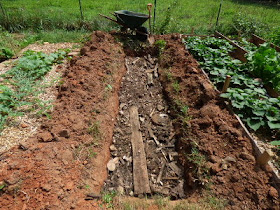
<point x="166" y="175"/>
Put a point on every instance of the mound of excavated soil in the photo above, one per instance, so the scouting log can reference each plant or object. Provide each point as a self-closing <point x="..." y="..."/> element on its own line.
<point x="67" y="158"/>
<point x="218" y="135"/>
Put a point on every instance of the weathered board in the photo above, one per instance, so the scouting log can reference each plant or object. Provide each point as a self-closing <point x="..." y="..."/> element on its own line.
<point x="256" y="40"/>
<point x="140" y="171"/>
<point x="238" y="52"/>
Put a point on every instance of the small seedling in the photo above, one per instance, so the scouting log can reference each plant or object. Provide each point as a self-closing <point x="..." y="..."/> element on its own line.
<point x="94" y="130"/>
<point x="176" y="86"/>
<point x="108" y="198"/>
<point x="161" y="201"/>
<point x="160" y="44"/>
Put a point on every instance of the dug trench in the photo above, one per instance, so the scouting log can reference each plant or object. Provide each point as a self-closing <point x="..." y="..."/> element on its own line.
<point x="193" y="146"/>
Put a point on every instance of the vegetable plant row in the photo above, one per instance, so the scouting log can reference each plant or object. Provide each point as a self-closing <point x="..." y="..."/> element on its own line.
<point x="21" y="84"/>
<point x="263" y="62"/>
<point x="248" y="97"/>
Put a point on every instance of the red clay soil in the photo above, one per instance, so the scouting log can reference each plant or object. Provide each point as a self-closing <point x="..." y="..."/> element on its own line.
<point x="234" y="174"/>
<point x="68" y="158"/>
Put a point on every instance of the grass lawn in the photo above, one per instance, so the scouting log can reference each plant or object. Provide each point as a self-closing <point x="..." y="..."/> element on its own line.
<point x="49" y="19"/>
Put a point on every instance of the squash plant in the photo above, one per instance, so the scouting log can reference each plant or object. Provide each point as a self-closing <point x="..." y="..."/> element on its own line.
<point x="265" y="64"/>
<point x="249" y="99"/>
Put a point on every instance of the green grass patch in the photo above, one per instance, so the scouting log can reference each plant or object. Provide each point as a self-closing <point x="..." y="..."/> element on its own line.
<point x="172" y="15"/>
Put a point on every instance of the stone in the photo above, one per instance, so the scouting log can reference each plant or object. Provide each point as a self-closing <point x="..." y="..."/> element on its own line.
<point x="69" y="186"/>
<point x="46" y="187"/>
<point x="230" y="159"/>
<point x="45" y="136"/>
<point x="24" y="125"/>
<point x="64" y="133"/>
<point x="220" y="179"/>
<point x="113" y="148"/>
<point x="13" y="179"/>
<point x="116" y="160"/>
<point x="247" y="156"/>
<point x="160" y="119"/>
<point x="214" y="159"/>
<point x="111" y="165"/>
<point x="128" y="159"/>
<point x="215" y="168"/>
<point x="160" y="108"/>
<point x="120" y="190"/>
<point x="66" y="156"/>
<point x="273" y="192"/>
<point x="83" y="51"/>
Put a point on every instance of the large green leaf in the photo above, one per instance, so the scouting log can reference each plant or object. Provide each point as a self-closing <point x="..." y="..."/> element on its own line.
<point x="275" y="143"/>
<point x="254" y="124"/>
<point x="274" y="125"/>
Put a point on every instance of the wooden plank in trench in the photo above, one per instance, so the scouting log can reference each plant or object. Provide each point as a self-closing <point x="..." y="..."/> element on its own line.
<point x="140" y="171"/>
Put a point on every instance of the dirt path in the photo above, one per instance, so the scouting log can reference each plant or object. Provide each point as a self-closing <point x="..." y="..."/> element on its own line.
<point x="64" y="166"/>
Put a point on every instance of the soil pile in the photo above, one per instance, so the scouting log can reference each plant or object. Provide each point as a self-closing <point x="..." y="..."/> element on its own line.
<point x="67" y="158"/>
<point x="215" y="133"/>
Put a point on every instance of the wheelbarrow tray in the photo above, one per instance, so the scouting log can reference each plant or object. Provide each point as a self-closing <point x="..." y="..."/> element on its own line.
<point x="131" y="19"/>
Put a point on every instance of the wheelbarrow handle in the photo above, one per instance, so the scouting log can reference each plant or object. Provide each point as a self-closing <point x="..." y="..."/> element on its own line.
<point x="109" y="18"/>
<point x="149" y="7"/>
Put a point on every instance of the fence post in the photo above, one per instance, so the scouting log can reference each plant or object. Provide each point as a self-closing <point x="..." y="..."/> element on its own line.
<point x="81" y="10"/>
<point x="154" y="23"/>
<point x="217" y="21"/>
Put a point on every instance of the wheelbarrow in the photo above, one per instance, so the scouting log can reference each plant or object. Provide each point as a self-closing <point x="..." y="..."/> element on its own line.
<point x="133" y="21"/>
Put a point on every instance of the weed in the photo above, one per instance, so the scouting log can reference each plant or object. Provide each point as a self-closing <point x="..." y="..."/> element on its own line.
<point x="5" y="53"/>
<point x="215" y="203"/>
<point x="160" y="44"/>
<point x="91" y="153"/>
<point x="2" y="186"/>
<point x="161" y="201"/>
<point x="275" y="36"/>
<point x="84" y="152"/>
<point x="199" y="160"/>
<point x="168" y="75"/>
<point x="108" y="198"/>
<point x="94" y="130"/>
<point x="176" y="86"/>
<point x="168" y="17"/>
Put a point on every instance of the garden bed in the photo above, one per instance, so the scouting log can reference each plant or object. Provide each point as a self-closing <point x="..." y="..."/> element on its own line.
<point x="65" y="164"/>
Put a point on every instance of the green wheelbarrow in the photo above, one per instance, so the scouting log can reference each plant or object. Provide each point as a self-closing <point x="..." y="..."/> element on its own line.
<point x="131" y="20"/>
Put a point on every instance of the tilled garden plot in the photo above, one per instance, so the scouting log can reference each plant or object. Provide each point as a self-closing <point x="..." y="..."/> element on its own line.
<point x="65" y="165"/>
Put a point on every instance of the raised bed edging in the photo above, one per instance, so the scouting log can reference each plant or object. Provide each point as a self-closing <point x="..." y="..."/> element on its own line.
<point x="257" y="149"/>
<point x="256" y="40"/>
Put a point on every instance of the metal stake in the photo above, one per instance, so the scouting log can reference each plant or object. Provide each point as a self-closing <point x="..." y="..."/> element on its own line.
<point x="154" y="16"/>
<point x="81" y="10"/>
<point x="219" y="13"/>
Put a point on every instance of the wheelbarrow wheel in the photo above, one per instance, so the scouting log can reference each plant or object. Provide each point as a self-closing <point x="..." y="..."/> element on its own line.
<point x="143" y="35"/>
